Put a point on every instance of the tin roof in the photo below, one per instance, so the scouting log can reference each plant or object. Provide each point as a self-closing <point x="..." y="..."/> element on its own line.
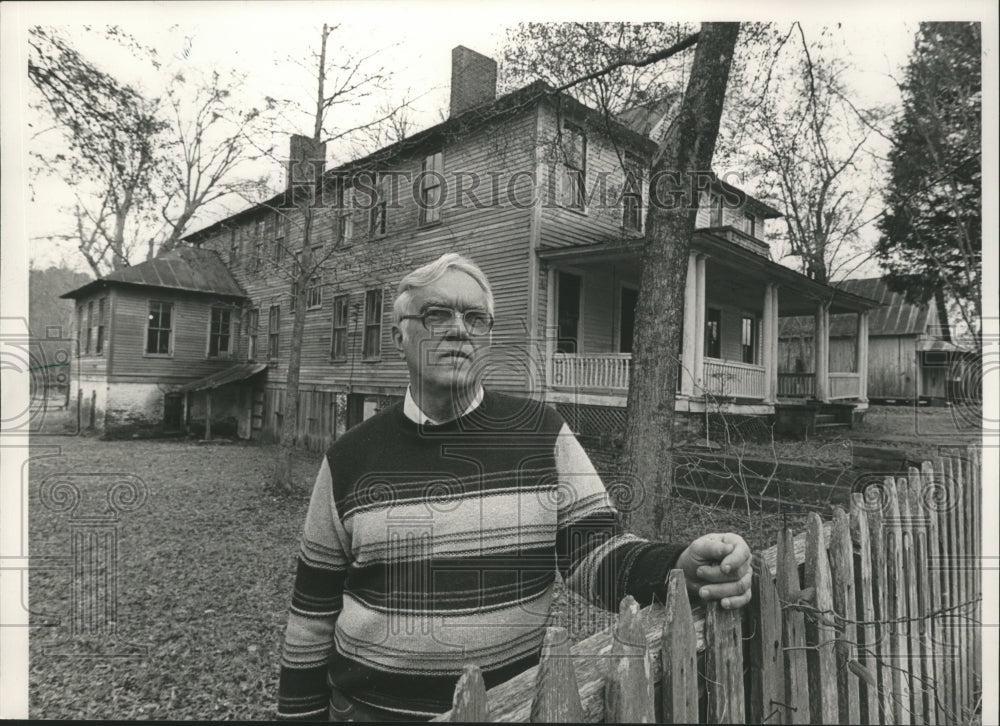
<point x="183" y="268"/>
<point x="233" y="374"/>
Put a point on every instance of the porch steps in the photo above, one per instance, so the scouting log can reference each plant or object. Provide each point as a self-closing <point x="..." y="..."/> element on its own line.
<point x="729" y="481"/>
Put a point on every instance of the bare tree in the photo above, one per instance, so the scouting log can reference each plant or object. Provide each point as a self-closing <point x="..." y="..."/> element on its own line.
<point x="138" y="167"/>
<point x="648" y="456"/>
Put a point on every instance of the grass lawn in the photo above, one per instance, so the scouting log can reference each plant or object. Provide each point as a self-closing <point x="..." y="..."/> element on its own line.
<point x="204" y="575"/>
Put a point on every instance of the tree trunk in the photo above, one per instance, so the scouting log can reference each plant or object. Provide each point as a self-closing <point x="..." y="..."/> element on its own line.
<point x="685" y="157"/>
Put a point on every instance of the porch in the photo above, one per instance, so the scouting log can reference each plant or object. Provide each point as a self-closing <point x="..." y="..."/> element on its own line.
<point x="734" y="300"/>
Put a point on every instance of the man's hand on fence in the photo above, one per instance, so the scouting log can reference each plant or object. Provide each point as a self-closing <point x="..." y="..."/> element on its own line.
<point x="717" y="567"/>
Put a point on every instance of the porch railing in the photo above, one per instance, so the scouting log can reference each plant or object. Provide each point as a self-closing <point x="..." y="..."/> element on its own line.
<point x="606" y="371"/>
<point x="730" y="378"/>
<point x="845" y="385"/>
<point x="796" y="385"/>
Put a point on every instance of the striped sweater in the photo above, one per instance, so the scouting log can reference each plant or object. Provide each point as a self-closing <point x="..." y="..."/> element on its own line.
<point x="429" y="547"/>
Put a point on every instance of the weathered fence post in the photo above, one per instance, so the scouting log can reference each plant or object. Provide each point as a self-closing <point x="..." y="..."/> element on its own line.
<point x="628" y="688"/>
<point x="767" y="662"/>
<point x="469" y="703"/>
<point x="960" y="557"/>
<point x="897" y="612"/>
<point x="557" y="694"/>
<point x="920" y="524"/>
<point x="932" y="501"/>
<point x="865" y="610"/>
<point x="820" y="633"/>
<point x="876" y="508"/>
<point x="724" y="664"/>
<point x="793" y="638"/>
<point x="679" y="655"/>
<point x="842" y="570"/>
<point x="975" y="488"/>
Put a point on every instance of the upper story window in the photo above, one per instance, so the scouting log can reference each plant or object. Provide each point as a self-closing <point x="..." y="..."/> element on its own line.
<point x="314" y="293"/>
<point x="377" y="213"/>
<point x="220" y="333"/>
<point x="338" y="340"/>
<point x="371" y="347"/>
<point x="90" y="327"/>
<point x="159" y="327"/>
<point x="273" y="323"/>
<point x="253" y="321"/>
<point x="431" y="178"/>
<point x="632" y="194"/>
<point x="715" y="216"/>
<point x="279" y="238"/>
<point x="574" y="160"/>
<point x="750" y="223"/>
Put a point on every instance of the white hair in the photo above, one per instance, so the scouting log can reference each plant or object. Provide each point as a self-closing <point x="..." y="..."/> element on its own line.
<point x="423" y="276"/>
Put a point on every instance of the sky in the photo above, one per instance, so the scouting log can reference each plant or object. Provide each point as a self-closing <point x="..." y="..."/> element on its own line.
<point x="413" y="39"/>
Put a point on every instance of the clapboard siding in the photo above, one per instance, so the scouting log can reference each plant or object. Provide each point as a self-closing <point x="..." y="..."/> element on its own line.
<point x="495" y="237"/>
<point x="892" y="367"/>
<point x="190" y="316"/>
<point x="602" y="218"/>
<point x="89" y="365"/>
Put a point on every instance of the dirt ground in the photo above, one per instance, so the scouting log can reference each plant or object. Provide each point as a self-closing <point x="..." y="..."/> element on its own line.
<point x="198" y="568"/>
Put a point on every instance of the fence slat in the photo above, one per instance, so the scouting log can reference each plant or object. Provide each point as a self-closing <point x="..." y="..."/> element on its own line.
<point x="962" y="556"/>
<point x="876" y="506"/>
<point x="896" y="594"/>
<point x="920" y="514"/>
<point x="469" y="703"/>
<point x="931" y="495"/>
<point x="557" y="695"/>
<point x="842" y="571"/>
<point x="864" y="609"/>
<point x="949" y="591"/>
<point x="679" y="655"/>
<point x="910" y="575"/>
<point x="724" y="664"/>
<point x="820" y="634"/>
<point x="975" y="484"/>
<point x="628" y="687"/>
<point x="793" y="638"/>
<point x="766" y="659"/>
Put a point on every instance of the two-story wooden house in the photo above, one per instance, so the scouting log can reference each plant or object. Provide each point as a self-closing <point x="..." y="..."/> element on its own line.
<point x="548" y="196"/>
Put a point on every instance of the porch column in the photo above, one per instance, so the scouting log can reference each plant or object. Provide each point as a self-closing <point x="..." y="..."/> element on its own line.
<point x="822" y="352"/>
<point x="862" y="348"/>
<point x="775" y="322"/>
<point x="551" y="333"/>
<point x="208" y="414"/>
<point x="689" y="343"/>
<point x="767" y="347"/>
<point x="698" y="363"/>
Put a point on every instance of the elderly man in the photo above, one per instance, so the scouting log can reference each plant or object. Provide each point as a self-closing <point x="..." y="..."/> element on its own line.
<point x="436" y="527"/>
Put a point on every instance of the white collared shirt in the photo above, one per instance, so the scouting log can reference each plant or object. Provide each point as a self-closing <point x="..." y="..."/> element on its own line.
<point x="412" y="411"/>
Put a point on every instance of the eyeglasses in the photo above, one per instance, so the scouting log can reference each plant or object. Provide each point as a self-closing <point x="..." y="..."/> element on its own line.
<point x="477" y="322"/>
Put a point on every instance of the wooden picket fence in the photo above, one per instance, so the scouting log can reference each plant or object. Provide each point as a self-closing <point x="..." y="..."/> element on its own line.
<point x="871" y="618"/>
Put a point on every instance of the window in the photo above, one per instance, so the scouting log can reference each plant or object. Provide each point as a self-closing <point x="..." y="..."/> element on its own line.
<point x="265" y="229"/>
<point x="751" y="224"/>
<point x="345" y="227"/>
<point x="273" y="320"/>
<point x="158" y="328"/>
<point x="749" y="339"/>
<point x="713" y="333"/>
<point x="574" y="153"/>
<point x="632" y="194"/>
<point x="371" y="346"/>
<point x="338" y="341"/>
<point x="376" y="216"/>
<point x="314" y="293"/>
<point x="90" y="326"/>
<point x="219" y="333"/>
<point x="568" y="312"/>
<point x="253" y="320"/>
<point x="715" y="211"/>
<point x="430" y="188"/>
<point x="234" y="246"/>
<point x="99" y="339"/>
<point x="79" y="330"/>
<point x="279" y="238"/>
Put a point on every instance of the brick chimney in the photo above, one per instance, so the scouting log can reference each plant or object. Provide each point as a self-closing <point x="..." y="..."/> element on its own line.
<point x="306" y="160"/>
<point x="473" y="79"/>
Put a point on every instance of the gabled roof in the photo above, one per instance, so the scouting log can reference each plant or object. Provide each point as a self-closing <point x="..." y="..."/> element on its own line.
<point x="184" y="268"/>
<point x="894" y="316"/>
